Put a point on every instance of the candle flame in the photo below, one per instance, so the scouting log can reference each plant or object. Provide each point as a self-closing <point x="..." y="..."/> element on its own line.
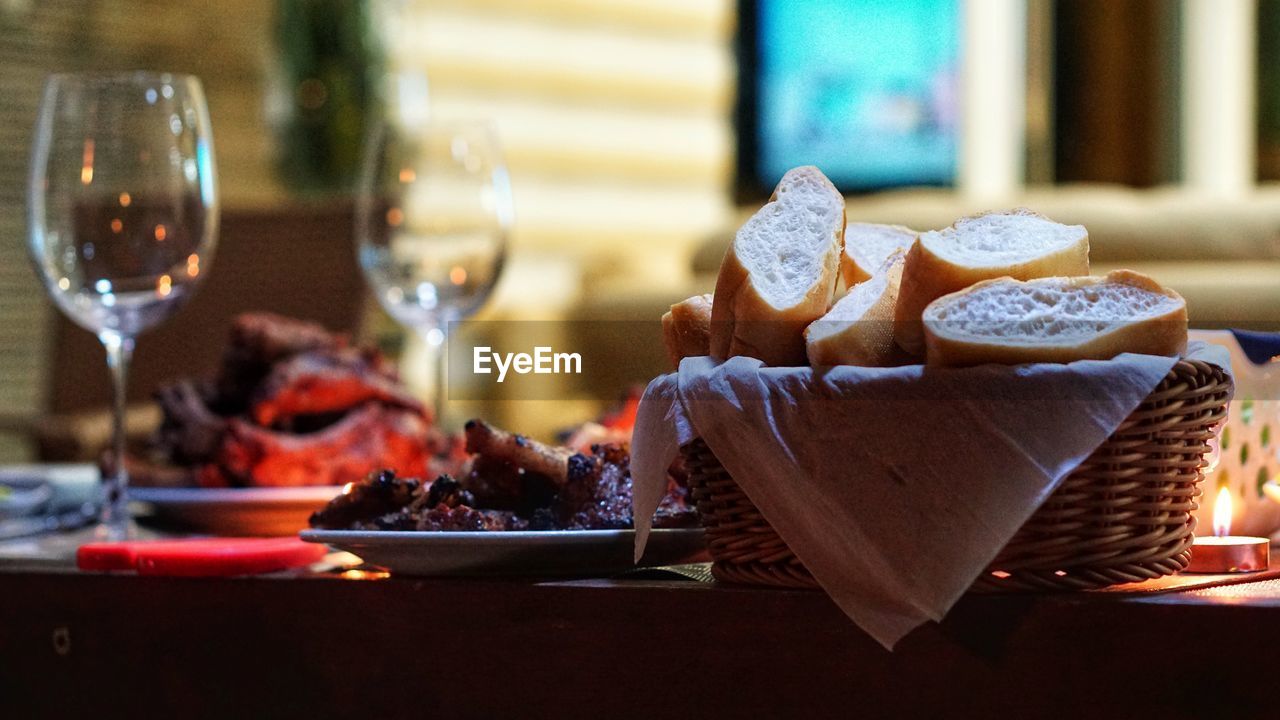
<point x="346" y="489"/>
<point x="1222" y="513"/>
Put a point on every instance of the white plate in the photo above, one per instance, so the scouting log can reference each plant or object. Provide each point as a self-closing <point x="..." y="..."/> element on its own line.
<point x="547" y="552"/>
<point x="237" y="511"/>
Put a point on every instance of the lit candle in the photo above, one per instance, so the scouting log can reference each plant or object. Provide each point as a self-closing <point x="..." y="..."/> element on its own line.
<point x="1226" y="553"/>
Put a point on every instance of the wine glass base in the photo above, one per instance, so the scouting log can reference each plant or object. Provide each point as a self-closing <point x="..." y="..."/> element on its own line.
<point x="118" y="531"/>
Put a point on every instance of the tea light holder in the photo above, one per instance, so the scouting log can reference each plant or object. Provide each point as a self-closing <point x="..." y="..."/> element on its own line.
<point x="1225" y="553"/>
<point x="1229" y="554"/>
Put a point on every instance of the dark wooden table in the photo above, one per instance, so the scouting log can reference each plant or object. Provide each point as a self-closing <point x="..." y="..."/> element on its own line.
<point x="74" y="645"/>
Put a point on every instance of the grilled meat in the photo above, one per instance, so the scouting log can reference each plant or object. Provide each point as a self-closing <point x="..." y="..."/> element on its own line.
<point x="258" y="341"/>
<point x="368" y="438"/>
<point x="512" y="472"/>
<point x="379" y="493"/>
<point x="294" y="405"/>
<point x="529" y="455"/>
<point x="463" y="518"/>
<point x="597" y="495"/>
<point x="447" y="492"/>
<point x="498" y="484"/>
<point x="325" y="382"/>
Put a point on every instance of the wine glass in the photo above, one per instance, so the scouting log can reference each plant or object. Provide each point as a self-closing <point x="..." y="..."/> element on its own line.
<point x="122" y="215"/>
<point x="431" y="226"/>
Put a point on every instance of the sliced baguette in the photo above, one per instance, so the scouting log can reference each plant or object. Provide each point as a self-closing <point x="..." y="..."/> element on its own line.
<point x="858" y="330"/>
<point x="867" y="246"/>
<point x="686" y="328"/>
<point x="1055" y="320"/>
<point x="780" y="273"/>
<point x="1019" y="243"/>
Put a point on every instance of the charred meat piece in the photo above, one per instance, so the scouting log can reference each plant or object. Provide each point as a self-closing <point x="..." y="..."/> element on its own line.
<point x="518" y="450"/>
<point x="368" y="438"/>
<point x="401" y="519"/>
<point x="597" y="495"/>
<point x="259" y="340"/>
<point x="378" y="495"/>
<point x="463" y="518"/>
<point x="329" y="381"/>
<point x="448" y="492"/>
<point x="443" y="492"/>
<point x="500" y="485"/>
<point x="190" y="433"/>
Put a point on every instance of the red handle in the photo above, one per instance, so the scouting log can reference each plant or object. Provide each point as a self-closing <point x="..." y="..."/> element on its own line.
<point x="200" y="557"/>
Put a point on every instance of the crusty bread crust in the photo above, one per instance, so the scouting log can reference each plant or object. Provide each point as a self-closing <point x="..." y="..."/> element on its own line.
<point x="868" y="340"/>
<point x="686" y="328"/>
<point x="1165" y="334"/>
<point x="927" y="276"/>
<point x="745" y="323"/>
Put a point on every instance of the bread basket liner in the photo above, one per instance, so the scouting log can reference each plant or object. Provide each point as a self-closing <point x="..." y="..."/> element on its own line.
<point x="895" y="487"/>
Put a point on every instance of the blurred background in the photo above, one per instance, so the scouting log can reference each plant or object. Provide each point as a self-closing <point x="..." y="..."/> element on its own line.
<point x="638" y="134"/>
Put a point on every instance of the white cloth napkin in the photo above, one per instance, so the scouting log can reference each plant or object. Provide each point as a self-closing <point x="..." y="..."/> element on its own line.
<point x="895" y="487"/>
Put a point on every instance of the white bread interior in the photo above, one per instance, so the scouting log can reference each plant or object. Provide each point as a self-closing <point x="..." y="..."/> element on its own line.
<point x="867" y="246"/>
<point x="858" y="330"/>
<point x="1019" y="243"/>
<point x="686" y="328"/>
<point x="1055" y="320"/>
<point x="780" y="273"/>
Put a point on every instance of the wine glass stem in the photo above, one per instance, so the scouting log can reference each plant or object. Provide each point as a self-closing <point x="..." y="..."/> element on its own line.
<point x="434" y="338"/>
<point x="115" y="520"/>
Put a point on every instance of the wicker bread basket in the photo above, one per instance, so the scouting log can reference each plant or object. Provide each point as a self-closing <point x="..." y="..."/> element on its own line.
<point x="1124" y="515"/>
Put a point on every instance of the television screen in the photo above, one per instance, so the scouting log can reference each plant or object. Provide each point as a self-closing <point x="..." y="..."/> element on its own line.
<point x="864" y="89"/>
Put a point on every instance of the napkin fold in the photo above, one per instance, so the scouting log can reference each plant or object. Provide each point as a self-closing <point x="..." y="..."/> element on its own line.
<point x="895" y="487"/>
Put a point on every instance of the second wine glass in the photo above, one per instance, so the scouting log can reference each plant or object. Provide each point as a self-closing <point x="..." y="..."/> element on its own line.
<point x="431" y="227"/>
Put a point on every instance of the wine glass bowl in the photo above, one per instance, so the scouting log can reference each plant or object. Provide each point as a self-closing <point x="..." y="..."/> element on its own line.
<point x="122" y="210"/>
<point x="122" y="215"/>
<point x="431" y="225"/>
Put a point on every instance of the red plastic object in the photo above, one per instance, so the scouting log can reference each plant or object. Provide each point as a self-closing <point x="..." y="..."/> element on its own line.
<point x="200" y="557"/>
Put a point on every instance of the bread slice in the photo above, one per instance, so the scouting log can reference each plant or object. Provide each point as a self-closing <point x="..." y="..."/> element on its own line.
<point x="686" y="328"/>
<point x="858" y="330"/>
<point x="1055" y="320"/>
<point x="779" y="274"/>
<point x="867" y="246"/>
<point x="1019" y="243"/>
